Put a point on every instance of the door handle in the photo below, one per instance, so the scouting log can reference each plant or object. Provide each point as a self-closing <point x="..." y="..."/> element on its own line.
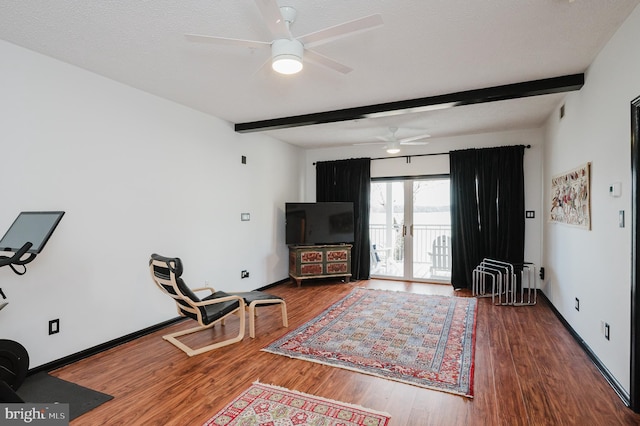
<point x="411" y="230"/>
<point x="404" y="231"/>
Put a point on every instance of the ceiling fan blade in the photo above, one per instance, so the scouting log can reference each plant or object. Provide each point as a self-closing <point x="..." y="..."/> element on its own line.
<point x="341" y="30"/>
<point x="226" y="41"/>
<point x="368" y="143"/>
<point x="273" y="18"/>
<point x="414" y="143"/>
<point x="407" y="141"/>
<point x="264" y="69"/>
<point x="317" y="58"/>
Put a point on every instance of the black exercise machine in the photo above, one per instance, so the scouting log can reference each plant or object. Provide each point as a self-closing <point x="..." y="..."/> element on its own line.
<point x="27" y="236"/>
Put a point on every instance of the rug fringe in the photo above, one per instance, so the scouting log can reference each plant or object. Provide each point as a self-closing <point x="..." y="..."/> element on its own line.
<point x="380" y="376"/>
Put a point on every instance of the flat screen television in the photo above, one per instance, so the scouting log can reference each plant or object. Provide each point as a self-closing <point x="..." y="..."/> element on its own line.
<point x="319" y="223"/>
<point x="32" y="227"/>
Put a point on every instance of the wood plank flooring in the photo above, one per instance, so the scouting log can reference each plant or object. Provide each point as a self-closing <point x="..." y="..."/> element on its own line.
<point x="528" y="371"/>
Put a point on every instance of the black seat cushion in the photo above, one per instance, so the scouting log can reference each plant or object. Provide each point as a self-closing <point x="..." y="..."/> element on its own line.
<point x="211" y="313"/>
<point x="251" y="296"/>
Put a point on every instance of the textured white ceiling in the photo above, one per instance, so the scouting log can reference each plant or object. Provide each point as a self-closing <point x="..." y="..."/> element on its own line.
<point x="425" y="48"/>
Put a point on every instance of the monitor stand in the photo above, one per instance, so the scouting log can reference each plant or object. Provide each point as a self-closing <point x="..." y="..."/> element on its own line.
<point x="16" y="259"/>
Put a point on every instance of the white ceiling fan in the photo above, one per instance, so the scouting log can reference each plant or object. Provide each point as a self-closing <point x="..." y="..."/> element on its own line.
<point x="392" y="143"/>
<point x="287" y="52"/>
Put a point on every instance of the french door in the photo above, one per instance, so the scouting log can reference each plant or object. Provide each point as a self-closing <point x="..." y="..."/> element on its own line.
<point x="410" y="228"/>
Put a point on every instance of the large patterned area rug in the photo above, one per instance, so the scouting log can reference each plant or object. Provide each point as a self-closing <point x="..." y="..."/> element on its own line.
<point x="272" y="405"/>
<point x="423" y="340"/>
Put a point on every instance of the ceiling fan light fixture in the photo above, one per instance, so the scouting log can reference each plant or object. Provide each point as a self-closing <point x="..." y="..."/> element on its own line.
<point x="393" y="148"/>
<point x="287" y="64"/>
<point x="286" y="56"/>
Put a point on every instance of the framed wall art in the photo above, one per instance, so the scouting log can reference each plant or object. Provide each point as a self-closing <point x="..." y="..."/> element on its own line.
<point x="571" y="197"/>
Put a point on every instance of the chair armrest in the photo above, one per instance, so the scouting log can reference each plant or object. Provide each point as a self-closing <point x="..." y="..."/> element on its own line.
<point x="211" y="289"/>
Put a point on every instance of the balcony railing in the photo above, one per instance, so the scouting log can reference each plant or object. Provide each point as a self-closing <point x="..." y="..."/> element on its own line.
<point x="431" y="248"/>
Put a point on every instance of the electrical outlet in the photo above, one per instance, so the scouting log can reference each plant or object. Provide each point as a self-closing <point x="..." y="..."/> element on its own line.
<point x="577" y="304"/>
<point x="606" y="331"/>
<point x="54" y="326"/>
<point x="244" y="274"/>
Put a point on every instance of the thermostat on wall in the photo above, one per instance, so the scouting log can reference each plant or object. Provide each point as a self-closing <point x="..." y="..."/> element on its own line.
<point x="615" y="189"/>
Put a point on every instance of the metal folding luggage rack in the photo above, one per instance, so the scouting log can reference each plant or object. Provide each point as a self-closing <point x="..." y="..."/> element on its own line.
<point x="506" y="283"/>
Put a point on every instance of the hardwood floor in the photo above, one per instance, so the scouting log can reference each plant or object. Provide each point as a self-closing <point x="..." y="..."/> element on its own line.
<point x="528" y="371"/>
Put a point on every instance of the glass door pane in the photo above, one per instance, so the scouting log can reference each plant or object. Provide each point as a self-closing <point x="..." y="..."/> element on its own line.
<point x="431" y="230"/>
<point x="386" y="228"/>
<point x="410" y="229"/>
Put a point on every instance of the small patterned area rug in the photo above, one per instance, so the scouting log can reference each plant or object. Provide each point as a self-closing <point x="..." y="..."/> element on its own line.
<point x="423" y="340"/>
<point x="272" y="405"/>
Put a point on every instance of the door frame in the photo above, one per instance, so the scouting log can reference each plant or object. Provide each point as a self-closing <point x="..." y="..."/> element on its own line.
<point x="409" y="252"/>
<point x="634" y="391"/>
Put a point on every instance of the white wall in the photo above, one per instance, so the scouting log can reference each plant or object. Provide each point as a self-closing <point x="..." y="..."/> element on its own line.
<point x="594" y="266"/>
<point x="433" y="165"/>
<point x="135" y="174"/>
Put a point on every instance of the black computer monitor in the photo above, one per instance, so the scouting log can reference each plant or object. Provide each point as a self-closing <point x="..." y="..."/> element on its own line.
<point x="33" y="227"/>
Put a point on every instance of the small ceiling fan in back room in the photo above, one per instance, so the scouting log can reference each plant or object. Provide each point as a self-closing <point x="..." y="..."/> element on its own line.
<point x="287" y="51"/>
<point x="392" y="143"/>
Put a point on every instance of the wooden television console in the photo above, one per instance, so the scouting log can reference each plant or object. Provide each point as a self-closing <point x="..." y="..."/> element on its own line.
<point x="321" y="261"/>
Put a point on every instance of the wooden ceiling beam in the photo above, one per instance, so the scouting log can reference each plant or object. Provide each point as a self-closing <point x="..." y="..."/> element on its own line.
<point x="567" y="83"/>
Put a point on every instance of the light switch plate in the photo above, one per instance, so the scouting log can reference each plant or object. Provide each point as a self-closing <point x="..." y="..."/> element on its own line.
<point x="245" y="217"/>
<point x="615" y="189"/>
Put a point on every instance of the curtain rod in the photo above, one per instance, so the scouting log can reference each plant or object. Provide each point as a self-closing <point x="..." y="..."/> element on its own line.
<point x="408" y="157"/>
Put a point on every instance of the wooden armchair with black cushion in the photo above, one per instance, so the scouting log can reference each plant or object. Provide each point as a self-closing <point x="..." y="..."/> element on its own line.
<point x="209" y="311"/>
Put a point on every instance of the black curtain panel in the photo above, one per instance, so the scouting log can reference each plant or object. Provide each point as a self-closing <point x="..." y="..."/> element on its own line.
<point x="466" y="242"/>
<point x="350" y="180"/>
<point x="487" y="208"/>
